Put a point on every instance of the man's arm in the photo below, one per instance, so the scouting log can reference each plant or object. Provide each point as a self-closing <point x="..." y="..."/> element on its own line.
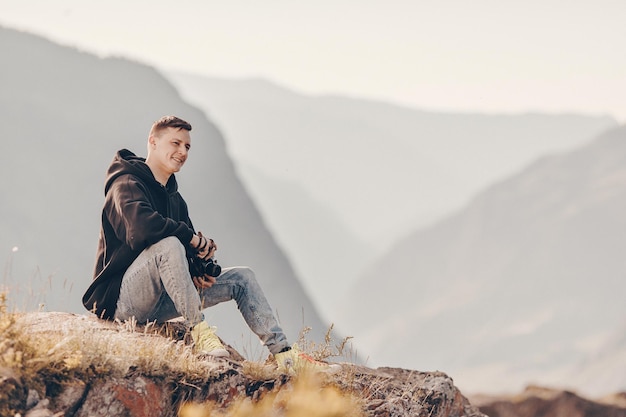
<point x="135" y="221"/>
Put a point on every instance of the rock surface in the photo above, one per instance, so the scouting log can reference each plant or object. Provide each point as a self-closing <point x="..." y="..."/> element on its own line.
<point x="537" y="401"/>
<point x="68" y="385"/>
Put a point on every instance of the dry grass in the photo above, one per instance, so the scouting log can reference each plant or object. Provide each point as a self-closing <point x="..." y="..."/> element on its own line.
<point x="79" y="348"/>
<point x="116" y="350"/>
<point x="324" y="351"/>
<point x="308" y="395"/>
<point x="327" y="349"/>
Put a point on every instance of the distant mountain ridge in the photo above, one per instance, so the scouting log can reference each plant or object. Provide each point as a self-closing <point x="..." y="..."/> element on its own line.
<point x="324" y="142"/>
<point x="383" y="170"/>
<point x="64" y="115"/>
<point x="525" y="284"/>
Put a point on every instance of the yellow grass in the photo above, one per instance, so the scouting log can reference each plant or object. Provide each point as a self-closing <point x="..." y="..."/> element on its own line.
<point x="86" y="351"/>
<point x="306" y="396"/>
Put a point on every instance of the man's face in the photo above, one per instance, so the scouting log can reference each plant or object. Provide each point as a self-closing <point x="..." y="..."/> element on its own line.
<point x="170" y="150"/>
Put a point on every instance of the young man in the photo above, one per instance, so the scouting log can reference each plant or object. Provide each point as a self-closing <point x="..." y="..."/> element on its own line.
<point x="146" y="241"/>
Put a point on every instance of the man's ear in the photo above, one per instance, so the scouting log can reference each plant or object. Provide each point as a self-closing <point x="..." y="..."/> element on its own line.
<point x="151" y="141"/>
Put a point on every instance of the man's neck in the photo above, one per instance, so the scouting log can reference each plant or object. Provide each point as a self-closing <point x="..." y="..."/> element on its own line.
<point x="159" y="175"/>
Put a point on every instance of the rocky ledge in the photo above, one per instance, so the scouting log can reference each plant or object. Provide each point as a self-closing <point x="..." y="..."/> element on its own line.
<point x="62" y="364"/>
<point x="537" y="401"/>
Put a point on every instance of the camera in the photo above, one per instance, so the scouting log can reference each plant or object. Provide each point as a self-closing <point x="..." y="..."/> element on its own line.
<point x="201" y="267"/>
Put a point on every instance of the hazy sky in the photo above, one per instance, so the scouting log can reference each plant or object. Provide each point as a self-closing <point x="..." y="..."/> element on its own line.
<point x="479" y="55"/>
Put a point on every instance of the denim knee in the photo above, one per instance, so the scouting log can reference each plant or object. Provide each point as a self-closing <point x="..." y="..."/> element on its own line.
<point x="172" y="246"/>
<point x="245" y="274"/>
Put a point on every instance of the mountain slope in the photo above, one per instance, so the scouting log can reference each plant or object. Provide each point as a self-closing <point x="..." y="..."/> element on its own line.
<point x="365" y="158"/>
<point x="384" y="170"/>
<point x="64" y="114"/>
<point x="328" y="249"/>
<point x="526" y="282"/>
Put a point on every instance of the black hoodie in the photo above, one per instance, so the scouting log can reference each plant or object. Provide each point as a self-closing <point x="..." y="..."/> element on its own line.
<point x="138" y="211"/>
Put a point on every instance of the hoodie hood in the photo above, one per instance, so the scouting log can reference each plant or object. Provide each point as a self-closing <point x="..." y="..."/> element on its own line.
<point x="126" y="162"/>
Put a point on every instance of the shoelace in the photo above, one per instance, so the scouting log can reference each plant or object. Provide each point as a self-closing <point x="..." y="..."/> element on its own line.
<point x="310" y="359"/>
<point x="208" y="340"/>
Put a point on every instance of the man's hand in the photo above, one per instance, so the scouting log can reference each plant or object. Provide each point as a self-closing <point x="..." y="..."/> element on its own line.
<point x="205" y="250"/>
<point x="206" y="247"/>
<point x="205" y="282"/>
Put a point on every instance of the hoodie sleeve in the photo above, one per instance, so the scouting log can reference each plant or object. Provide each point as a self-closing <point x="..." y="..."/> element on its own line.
<point x="135" y="221"/>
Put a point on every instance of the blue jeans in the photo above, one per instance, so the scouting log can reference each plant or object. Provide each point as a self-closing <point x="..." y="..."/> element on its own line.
<point x="158" y="287"/>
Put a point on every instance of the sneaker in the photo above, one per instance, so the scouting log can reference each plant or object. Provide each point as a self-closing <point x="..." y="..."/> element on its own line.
<point x="294" y="362"/>
<point x="206" y="342"/>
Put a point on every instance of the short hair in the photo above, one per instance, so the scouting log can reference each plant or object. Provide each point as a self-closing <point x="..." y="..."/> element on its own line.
<point x="169" y="121"/>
